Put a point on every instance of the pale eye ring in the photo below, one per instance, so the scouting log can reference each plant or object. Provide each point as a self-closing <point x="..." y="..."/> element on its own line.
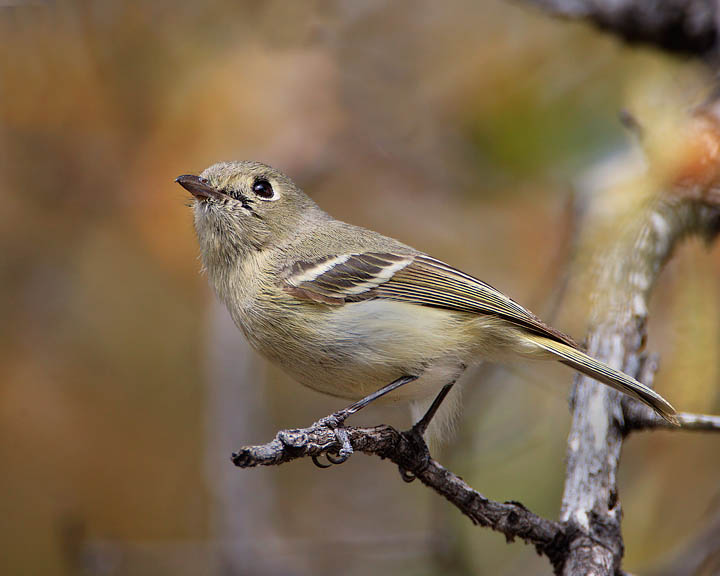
<point x="264" y="190"/>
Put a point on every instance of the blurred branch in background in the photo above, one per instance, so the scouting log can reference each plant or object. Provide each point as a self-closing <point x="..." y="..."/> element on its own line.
<point x="686" y="26"/>
<point x="242" y="509"/>
<point x="700" y="556"/>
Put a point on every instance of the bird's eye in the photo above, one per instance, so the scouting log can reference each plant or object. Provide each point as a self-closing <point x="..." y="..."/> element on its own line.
<point x="263" y="190"/>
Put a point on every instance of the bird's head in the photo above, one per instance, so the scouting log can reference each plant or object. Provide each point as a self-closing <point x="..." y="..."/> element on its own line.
<point x="243" y="206"/>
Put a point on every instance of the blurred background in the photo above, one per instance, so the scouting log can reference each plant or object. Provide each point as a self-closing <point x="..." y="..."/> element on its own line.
<point x="478" y="131"/>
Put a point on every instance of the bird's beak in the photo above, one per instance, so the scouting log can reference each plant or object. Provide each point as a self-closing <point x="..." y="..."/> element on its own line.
<point x="199" y="187"/>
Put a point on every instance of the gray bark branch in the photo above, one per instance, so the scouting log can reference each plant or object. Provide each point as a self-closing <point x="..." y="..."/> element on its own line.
<point x="409" y="451"/>
<point x="623" y="285"/>
<point x="636" y="418"/>
<point x="639" y="417"/>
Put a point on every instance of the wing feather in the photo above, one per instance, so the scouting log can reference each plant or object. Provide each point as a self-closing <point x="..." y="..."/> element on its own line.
<point x="431" y="282"/>
<point x="418" y="279"/>
<point x="337" y="279"/>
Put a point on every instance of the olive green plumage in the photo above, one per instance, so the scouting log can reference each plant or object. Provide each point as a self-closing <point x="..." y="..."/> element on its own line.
<point x="346" y="310"/>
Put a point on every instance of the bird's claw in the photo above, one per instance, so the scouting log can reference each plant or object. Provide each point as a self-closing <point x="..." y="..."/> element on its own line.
<point x="317" y="462"/>
<point x="339" y="459"/>
<point x="405" y="475"/>
<point x="421" y="455"/>
<point x="336" y="423"/>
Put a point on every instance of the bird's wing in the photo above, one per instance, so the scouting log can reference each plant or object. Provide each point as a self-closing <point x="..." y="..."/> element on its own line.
<point x="418" y="279"/>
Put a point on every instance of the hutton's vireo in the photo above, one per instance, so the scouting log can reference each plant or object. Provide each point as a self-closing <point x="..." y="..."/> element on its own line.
<point x="347" y="311"/>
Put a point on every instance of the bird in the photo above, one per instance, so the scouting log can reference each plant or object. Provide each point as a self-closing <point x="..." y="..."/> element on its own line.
<point x="357" y="315"/>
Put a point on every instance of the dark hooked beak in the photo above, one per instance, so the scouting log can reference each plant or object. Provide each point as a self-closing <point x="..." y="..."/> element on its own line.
<point x="199" y="187"/>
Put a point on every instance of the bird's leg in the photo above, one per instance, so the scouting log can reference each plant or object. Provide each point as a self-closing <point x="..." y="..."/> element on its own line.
<point x="337" y="420"/>
<point x="419" y="428"/>
<point x="345" y="413"/>
<point x="421" y="425"/>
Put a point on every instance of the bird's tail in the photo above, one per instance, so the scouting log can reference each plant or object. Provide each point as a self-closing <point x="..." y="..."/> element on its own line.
<point x="603" y="373"/>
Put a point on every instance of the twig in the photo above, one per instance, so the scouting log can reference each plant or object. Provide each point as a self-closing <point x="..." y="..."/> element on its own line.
<point x="637" y="418"/>
<point x="409" y="451"/>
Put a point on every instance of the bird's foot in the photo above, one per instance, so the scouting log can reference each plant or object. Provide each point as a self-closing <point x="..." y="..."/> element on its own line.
<point x="336" y="422"/>
<point x="415" y="437"/>
<point x="419" y="450"/>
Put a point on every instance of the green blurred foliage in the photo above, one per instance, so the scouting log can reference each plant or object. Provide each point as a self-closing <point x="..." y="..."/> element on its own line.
<point x="457" y="128"/>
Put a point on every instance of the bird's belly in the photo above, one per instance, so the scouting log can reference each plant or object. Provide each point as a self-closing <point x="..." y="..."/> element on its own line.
<point x="358" y="348"/>
<point x="354" y="384"/>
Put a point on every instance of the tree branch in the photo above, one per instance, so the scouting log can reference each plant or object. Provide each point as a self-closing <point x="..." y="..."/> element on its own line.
<point x="409" y="451"/>
<point x="684" y="26"/>
<point x="638" y="417"/>
<point x="623" y="285"/>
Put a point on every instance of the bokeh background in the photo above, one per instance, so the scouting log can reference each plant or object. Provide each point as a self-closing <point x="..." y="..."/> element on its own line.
<point x="473" y="130"/>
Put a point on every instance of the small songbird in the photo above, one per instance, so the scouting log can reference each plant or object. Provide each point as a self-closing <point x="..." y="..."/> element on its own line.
<point x="355" y="314"/>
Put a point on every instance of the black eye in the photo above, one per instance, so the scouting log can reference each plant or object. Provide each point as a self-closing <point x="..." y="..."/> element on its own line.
<point x="263" y="189"/>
